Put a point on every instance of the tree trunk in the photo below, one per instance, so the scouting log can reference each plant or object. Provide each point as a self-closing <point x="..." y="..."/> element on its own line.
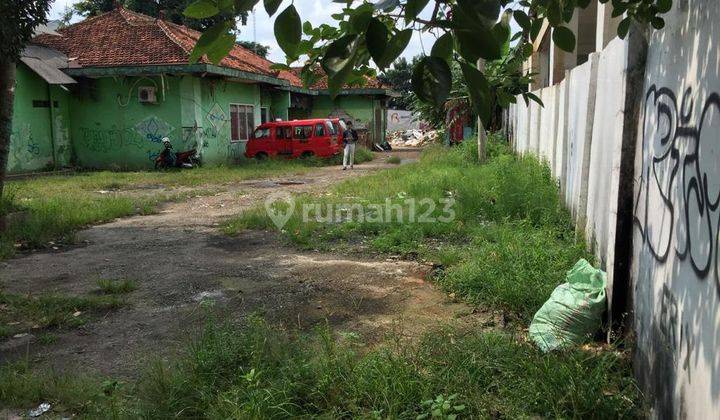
<point x="7" y="95"/>
<point x="482" y="135"/>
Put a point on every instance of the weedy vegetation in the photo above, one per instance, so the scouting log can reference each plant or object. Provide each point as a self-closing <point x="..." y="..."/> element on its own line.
<point x="43" y="211"/>
<point x="20" y="314"/>
<point x="261" y="372"/>
<point x="508" y="245"/>
<point x="116" y="287"/>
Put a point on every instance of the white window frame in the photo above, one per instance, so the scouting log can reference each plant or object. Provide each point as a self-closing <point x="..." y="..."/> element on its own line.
<point x="250" y="127"/>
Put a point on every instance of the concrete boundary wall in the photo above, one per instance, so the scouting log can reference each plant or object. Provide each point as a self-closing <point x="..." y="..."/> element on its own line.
<point x="633" y="138"/>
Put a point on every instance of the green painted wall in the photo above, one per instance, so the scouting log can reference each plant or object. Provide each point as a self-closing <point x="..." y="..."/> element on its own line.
<point x="217" y="95"/>
<point x="280" y="101"/>
<point x="31" y="143"/>
<point x="102" y="124"/>
<point x="111" y="129"/>
<point x="359" y="108"/>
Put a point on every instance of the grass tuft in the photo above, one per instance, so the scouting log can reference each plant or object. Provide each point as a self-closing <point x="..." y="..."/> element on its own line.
<point x="116" y="287"/>
<point x="394" y="160"/>
<point x="25" y="313"/>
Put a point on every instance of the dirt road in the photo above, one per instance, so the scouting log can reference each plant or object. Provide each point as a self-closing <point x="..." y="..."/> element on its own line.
<point x="179" y="258"/>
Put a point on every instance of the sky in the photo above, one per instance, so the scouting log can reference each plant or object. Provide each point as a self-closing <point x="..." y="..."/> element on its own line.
<point x="316" y="11"/>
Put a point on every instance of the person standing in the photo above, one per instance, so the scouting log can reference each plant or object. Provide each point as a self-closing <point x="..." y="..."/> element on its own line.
<point x="350" y="138"/>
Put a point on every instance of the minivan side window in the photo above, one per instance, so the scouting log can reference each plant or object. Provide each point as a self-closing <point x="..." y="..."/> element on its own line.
<point x="319" y="130"/>
<point x="303" y="132"/>
<point x="262" y="133"/>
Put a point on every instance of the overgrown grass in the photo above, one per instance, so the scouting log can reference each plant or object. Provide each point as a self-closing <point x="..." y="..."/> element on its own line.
<point x="25" y="313"/>
<point x="50" y="209"/>
<point x="260" y="372"/>
<point x="508" y="245"/>
<point x="116" y="287"/>
<point x="394" y="160"/>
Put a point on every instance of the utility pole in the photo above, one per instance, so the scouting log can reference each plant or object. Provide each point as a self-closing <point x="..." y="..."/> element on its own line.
<point x="482" y="135"/>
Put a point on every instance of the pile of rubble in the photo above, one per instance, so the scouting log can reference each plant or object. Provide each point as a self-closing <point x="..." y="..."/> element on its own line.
<point x="413" y="138"/>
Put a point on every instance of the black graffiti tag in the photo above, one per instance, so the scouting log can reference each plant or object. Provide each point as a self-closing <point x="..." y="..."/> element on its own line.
<point x="679" y="192"/>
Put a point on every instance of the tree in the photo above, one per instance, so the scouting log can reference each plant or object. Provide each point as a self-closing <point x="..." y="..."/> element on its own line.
<point x="466" y="31"/>
<point x="259" y="49"/>
<point x="398" y="77"/>
<point x="172" y="10"/>
<point x="20" y="18"/>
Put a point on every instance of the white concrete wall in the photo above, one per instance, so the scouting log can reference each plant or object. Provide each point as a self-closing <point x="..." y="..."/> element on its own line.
<point x="606" y="146"/>
<point x="675" y="227"/>
<point x="548" y="121"/>
<point x="580" y="84"/>
<point x="676" y="261"/>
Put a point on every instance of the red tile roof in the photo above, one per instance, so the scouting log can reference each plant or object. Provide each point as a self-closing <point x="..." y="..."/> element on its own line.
<point x="322" y="83"/>
<point x="125" y="38"/>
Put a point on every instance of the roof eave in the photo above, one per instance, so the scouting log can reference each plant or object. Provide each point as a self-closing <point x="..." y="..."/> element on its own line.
<point x="199" y="68"/>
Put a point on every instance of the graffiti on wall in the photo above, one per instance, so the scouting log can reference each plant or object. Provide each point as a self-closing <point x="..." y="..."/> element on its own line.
<point x="679" y="194"/>
<point x="150" y="131"/>
<point x="24" y="149"/>
<point x="154" y="129"/>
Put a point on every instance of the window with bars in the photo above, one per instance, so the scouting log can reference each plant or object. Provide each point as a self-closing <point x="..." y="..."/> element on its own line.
<point x="242" y="122"/>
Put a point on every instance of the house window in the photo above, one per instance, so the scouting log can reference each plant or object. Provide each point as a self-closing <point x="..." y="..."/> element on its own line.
<point x="242" y="122"/>
<point x="264" y="115"/>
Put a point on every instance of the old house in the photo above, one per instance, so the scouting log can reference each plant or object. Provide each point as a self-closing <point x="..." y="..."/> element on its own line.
<point x="128" y="83"/>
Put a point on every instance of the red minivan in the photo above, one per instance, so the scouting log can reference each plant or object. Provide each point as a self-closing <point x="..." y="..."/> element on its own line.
<point x="293" y="139"/>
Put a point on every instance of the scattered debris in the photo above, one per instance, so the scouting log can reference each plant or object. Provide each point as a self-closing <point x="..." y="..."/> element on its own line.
<point x="413" y="138"/>
<point x="40" y="410"/>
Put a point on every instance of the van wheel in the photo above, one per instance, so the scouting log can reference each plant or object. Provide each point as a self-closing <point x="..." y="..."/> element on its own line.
<point x="307" y="155"/>
<point x="261" y="156"/>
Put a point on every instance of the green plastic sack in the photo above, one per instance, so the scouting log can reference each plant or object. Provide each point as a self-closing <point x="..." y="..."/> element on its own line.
<point x="574" y="311"/>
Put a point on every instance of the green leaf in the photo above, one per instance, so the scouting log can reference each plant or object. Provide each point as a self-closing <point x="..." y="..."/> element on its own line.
<point x="201" y="9"/>
<point x="474" y="36"/>
<point x="413" y="9"/>
<point x="288" y="31"/>
<point x="534" y="97"/>
<point x="522" y="19"/>
<point x="395" y="46"/>
<point x="432" y="80"/>
<point x="502" y="35"/>
<point x="213" y="42"/>
<point x="663" y="6"/>
<point x="554" y="13"/>
<point x="244" y="5"/>
<point x="220" y="48"/>
<point x="657" y="22"/>
<point x="444" y="46"/>
<point x="479" y="90"/>
<point x="271" y="6"/>
<point x="564" y="38"/>
<point x="360" y="18"/>
<point x="307" y="28"/>
<point x="376" y="39"/>
<point x="624" y="27"/>
<point x="339" y="61"/>
<point x="280" y="66"/>
<point x="535" y="29"/>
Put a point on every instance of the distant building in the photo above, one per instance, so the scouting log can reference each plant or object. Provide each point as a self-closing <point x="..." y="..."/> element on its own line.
<point x="103" y="92"/>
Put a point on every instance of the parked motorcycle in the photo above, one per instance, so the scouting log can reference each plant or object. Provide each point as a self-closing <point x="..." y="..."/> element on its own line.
<point x="170" y="159"/>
